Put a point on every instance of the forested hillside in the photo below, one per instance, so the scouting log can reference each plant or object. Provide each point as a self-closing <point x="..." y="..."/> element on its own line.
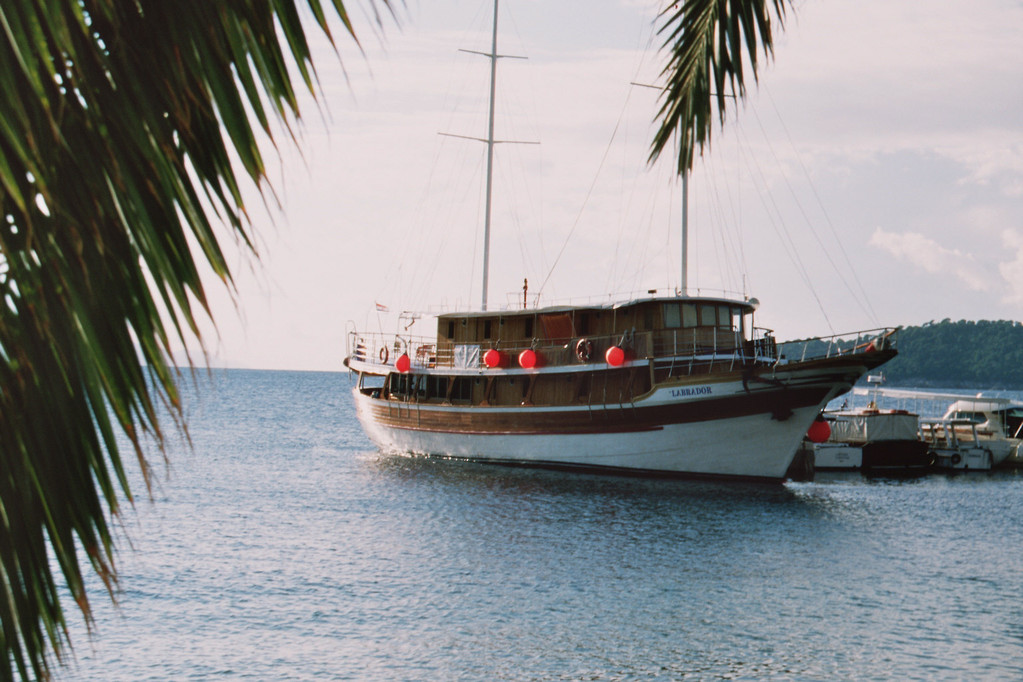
<point x="981" y="355"/>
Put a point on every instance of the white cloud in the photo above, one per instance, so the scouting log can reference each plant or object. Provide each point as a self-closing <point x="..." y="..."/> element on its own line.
<point x="932" y="257"/>
<point x="1012" y="271"/>
<point x="877" y="113"/>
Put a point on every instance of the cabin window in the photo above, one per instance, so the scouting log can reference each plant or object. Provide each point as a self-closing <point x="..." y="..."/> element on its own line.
<point x="436" y="387"/>
<point x="399" y="384"/>
<point x="529" y="328"/>
<point x="1012" y="419"/>
<point x="371" y="381"/>
<point x="724" y="317"/>
<point x="461" y="389"/>
<point x="648" y="319"/>
<point x="451" y="329"/>
<point x="487" y="328"/>
<point x="672" y="316"/>
<point x="708" y="315"/>
<point x="584" y="323"/>
<point x="738" y="320"/>
<point x="975" y="417"/>
<point x="688" y="314"/>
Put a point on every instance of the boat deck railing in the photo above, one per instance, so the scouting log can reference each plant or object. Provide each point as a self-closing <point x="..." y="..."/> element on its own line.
<point x="949" y="433"/>
<point x="882" y="338"/>
<point x="703" y="344"/>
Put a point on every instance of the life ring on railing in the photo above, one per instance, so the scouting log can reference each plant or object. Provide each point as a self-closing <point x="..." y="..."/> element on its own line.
<point x="956" y="458"/>
<point x="584" y="350"/>
<point x="383" y="355"/>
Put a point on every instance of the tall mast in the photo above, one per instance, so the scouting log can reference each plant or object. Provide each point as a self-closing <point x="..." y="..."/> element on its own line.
<point x="490" y="141"/>
<point x="490" y="161"/>
<point x="685" y="231"/>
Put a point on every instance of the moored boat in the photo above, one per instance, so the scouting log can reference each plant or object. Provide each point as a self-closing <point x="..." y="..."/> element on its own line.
<point x="957" y="445"/>
<point x="873" y="441"/>
<point x="666" y="385"/>
<point x="996" y="424"/>
<point x="870" y="439"/>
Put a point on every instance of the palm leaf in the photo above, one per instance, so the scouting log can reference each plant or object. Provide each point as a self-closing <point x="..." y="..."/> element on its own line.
<point x="118" y="125"/>
<point x="708" y="42"/>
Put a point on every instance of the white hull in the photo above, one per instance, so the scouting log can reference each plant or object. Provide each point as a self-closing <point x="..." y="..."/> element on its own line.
<point x="754" y="446"/>
<point x="967" y="458"/>
<point x="837" y="456"/>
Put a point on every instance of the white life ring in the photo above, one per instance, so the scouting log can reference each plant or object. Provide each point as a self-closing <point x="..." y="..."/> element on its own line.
<point x="584" y="349"/>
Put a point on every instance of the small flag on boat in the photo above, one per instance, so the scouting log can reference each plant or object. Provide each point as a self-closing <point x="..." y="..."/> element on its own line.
<point x="381" y="308"/>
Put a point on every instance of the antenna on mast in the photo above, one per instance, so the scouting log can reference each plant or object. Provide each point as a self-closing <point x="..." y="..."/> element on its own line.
<point x="490" y="142"/>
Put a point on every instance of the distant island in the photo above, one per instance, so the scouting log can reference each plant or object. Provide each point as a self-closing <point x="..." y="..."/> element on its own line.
<point x="976" y="355"/>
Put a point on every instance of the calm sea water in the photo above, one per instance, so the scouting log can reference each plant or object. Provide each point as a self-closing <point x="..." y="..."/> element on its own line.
<point x="283" y="547"/>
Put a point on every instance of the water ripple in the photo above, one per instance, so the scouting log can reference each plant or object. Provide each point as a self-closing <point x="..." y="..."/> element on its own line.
<point x="284" y="547"/>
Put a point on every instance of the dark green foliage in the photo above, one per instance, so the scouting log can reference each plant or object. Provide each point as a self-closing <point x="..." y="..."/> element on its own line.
<point x="964" y="354"/>
<point x="708" y="43"/>
<point x="126" y="128"/>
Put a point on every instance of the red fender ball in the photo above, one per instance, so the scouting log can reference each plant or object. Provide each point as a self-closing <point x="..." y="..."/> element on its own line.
<point x="819" y="431"/>
<point x="615" y="356"/>
<point x="403" y="364"/>
<point x="527" y="359"/>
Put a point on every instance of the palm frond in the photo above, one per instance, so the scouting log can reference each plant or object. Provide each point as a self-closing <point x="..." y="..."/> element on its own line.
<point x="118" y="125"/>
<point x="708" y="42"/>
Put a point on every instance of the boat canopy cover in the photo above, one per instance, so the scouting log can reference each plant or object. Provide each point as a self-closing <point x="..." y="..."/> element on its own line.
<point x="861" y="428"/>
<point x="979" y="405"/>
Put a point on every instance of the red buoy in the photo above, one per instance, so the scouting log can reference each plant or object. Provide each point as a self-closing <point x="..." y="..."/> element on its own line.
<point x="403" y="363"/>
<point x="493" y="358"/>
<point x="615" y="356"/>
<point x="819" y="431"/>
<point x="527" y="359"/>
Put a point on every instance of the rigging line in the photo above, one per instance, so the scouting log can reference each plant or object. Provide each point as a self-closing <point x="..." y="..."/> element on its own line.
<point x="774" y="213"/>
<point x="827" y="218"/>
<point x="718" y="240"/>
<point x="426" y="268"/>
<point x="638" y="257"/>
<point x="775" y="219"/>
<point x="726" y="236"/>
<point x="586" y="199"/>
<point x="629" y="190"/>
<point x="650" y="33"/>
<point x="806" y="218"/>
<point x="414" y="241"/>
<point x="730" y="221"/>
<point x="616" y="263"/>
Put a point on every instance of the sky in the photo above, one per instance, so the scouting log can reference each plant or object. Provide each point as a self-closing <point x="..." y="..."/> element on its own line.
<point x="873" y="175"/>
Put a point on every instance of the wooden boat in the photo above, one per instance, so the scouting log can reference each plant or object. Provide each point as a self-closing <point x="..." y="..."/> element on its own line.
<point x="667" y="385"/>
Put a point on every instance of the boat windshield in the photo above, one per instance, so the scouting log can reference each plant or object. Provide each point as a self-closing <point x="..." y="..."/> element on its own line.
<point x="704" y="314"/>
<point x="1012" y="418"/>
<point x="973" y="417"/>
